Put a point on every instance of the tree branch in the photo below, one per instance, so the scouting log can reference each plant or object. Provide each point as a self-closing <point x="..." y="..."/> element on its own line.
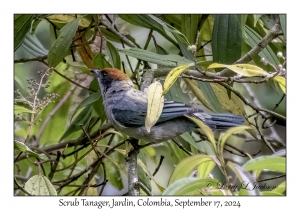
<point x="24" y="60"/>
<point x="112" y="28"/>
<point x="133" y="181"/>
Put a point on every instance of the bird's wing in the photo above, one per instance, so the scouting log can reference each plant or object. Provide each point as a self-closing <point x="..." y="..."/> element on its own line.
<point x="134" y="114"/>
<point x="173" y="109"/>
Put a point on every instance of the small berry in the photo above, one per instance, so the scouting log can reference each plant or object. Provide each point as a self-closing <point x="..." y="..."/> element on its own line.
<point x="279" y="54"/>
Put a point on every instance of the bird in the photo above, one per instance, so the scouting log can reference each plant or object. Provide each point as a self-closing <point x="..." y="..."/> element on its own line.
<point x="126" y="109"/>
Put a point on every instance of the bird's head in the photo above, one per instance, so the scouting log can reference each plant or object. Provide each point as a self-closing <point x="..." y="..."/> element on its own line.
<point x="109" y="77"/>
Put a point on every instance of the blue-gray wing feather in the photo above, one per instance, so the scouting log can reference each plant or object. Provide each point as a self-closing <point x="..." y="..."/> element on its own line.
<point x="136" y="114"/>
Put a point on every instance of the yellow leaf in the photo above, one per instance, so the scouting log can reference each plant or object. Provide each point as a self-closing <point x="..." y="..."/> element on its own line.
<point x="173" y="76"/>
<point x="217" y="65"/>
<point x="247" y="70"/>
<point x="223" y="138"/>
<point x="192" y="85"/>
<point x="68" y="18"/>
<point x="233" y="104"/>
<point x="281" y="81"/>
<point x="209" y="133"/>
<point x="155" y="104"/>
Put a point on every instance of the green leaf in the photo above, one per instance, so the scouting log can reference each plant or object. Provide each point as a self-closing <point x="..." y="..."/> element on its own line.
<point x="224" y="136"/>
<point x="280" y="188"/>
<point x="205" y="168"/>
<point x="113" y="175"/>
<point x="166" y="60"/>
<point x="81" y="119"/>
<point x="100" y="62"/>
<point x="246" y="179"/>
<point x="266" y="163"/>
<point x="271" y="193"/>
<point x="208" y="132"/>
<point x="177" y="34"/>
<point x="205" y="87"/>
<point x="242" y="19"/>
<point x="98" y="105"/>
<point x="109" y="35"/>
<point x="193" y="86"/>
<point x="87" y="101"/>
<point x="177" y="154"/>
<point x="172" y="19"/>
<point x="268" y="22"/>
<point x="40" y="185"/>
<point x="34" y="25"/>
<point x="147" y="21"/>
<point x="113" y="55"/>
<point x="62" y="44"/>
<point x="143" y="170"/>
<point x="282" y="18"/>
<point x="161" y="51"/>
<point x="22" y="25"/>
<point x="33" y="45"/>
<point x="226" y="39"/>
<point x="19" y="109"/>
<point x="20" y="146"/>
<point x="190" y="186"/>
<point x="256" y="18"/>
<point x="176" y="94"/>
<point x="233" y="104"/>
<point x="189" y="26"/>
<point x="187" y="166"/>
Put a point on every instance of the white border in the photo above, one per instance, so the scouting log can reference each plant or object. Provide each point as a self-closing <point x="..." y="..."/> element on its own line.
<point x="8" y="8"/>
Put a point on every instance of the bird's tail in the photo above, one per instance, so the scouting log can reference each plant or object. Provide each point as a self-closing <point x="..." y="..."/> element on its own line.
<point x="220" y="121"/>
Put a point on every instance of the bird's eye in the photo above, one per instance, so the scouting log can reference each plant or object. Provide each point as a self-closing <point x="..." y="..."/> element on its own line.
<point x="104" y="73"/>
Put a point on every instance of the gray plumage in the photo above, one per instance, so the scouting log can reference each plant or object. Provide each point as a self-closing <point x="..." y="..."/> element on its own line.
<point x="126" y="109"/>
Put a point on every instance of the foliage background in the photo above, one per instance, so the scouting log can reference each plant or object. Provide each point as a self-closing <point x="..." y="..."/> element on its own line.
<point x="35" y="38"/>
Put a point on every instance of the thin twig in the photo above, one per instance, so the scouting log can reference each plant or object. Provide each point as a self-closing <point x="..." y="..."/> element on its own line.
<point x="71" y="143"/>
<point x="104" y="178"/>
<point x="262" y="137"/>
<point x="145" y="189"/>
<point x="159" y="164"/>
<point x="24" y="60"/>
<point x="112" y="28"/>
<point x="268" y="179"/>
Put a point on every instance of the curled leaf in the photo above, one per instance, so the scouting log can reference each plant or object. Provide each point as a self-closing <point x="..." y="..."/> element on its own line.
<point x="20" y="146"/>
<point x="155" y="104"/>
<point x="173" y="76"/>
<point x="209" y="133"/>
<point x="247" y="70"/>
<point x="186" y="167"/>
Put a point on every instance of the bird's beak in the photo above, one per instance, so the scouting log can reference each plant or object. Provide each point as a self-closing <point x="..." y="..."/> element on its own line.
<point x="95" y="72"/>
